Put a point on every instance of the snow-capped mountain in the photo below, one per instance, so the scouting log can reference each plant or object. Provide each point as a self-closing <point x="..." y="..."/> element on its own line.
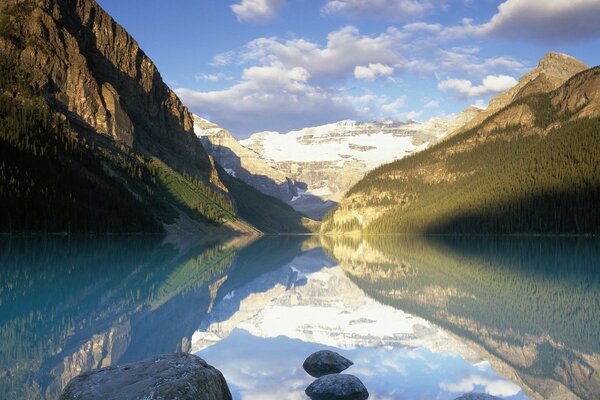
<point x="321" y="163"/>
<point x="243" y="163"/>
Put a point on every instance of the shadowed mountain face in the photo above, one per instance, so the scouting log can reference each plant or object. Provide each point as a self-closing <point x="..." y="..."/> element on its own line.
<point x="530" y="167"/>
<point x="94" y="140"/>
<point x="530" y="304"/>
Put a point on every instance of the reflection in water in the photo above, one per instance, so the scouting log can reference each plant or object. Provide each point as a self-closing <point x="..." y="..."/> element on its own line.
<point x="526" y="309"/>
<point x="532" y="305"/>
<point x="68" y="305"/>
<point x="259" y="335"/>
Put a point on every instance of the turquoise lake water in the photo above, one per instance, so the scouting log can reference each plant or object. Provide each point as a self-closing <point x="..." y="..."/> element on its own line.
<point x="421" y="317"/>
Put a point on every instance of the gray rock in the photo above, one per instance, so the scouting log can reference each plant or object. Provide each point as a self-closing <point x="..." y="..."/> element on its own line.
<point x="477" y="396"/>
<point x="176" y="376"/>
<point x="325" y="362"/>
<point x="337" y="387"/>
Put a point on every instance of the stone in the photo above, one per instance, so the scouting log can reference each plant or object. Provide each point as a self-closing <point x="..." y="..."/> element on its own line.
<point x="477" y="396"/>
<point x="178" y="376"/>
<point x="325" y="362"/>
<point x="337" y="387"/>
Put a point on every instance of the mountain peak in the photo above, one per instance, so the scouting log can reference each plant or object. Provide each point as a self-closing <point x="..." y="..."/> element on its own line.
<point x="558" y="65"/>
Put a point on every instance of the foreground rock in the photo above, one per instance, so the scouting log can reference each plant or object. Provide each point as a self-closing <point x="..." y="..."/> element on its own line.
<point x="337" y="387"/>
<point x="477" y="396"/>
<point x="176" y="376"/>
<point x="325" y="362"/>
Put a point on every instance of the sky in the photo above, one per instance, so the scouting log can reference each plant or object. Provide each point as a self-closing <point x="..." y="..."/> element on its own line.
<point x="281" y="65"/>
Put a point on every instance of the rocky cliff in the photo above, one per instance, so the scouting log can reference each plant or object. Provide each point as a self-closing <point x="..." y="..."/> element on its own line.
<point x="88" y="66"/>
<point x="88" y="123"/>
<point x="243" y="163"/>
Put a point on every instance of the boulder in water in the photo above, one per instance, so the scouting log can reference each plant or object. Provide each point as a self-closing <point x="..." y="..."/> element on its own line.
<point x="177" y="376"/>
<point x="337" y="387"/>
<point x="325" y="362"/>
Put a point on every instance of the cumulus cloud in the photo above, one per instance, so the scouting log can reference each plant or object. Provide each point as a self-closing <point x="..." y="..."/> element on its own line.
<point x="270" y="97"/>
<point x="257" y="10"/>
<point x="441" y="62"/>
<point x="490" y="84"/>
<point x="345" y="49"/>
<point x="295" y="82"/>
<point x="372" y="71"/>
<point x="494" y="387"/>
<point x="394" y="10"/>
<point x="546" y="20"/>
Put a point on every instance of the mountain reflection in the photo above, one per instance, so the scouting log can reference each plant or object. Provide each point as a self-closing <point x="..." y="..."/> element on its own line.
<point x="73" y="304"/>
<point x="259" y="333"/>
<point x="421" y="318"/>
<point x="530" y="305"/>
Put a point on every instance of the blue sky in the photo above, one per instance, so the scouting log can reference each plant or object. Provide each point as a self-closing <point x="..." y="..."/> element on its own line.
<point x="254" y="65"/>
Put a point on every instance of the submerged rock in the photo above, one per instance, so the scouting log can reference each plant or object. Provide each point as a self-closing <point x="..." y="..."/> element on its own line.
<point x="337" y="387"/>
<point x="477" y="396"/>
<point x="177" y="376"/>
<point x="325" y="362"/>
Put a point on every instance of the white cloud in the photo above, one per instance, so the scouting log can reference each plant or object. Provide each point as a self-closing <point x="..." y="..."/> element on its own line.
<point x="257" y="10"/>
<point x="395" y="110"/>
<point x="479" y="103"/>
<point x="213" y="77"/>
<point x="379" y="9"/>
<point x="345" y="49"/>
<point x="270" y="97"/>
<point x="431" y="104"/>
<point x="545" y="20"/>
<point x="289" y="84"/>
<point x="490" y="84"/>
<point x="494" y="387"/>
<point x="372" y="71"/>
<point x="441" y="62"/>
<point x="223" y="59"/>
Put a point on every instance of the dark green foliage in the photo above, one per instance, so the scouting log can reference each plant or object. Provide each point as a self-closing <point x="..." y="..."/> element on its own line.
<point x="510" y="182"/>
<point x="53" y="180"/>
<point x="57" y="293"/>
<point x="10" y="12"/>
<point x="267" y="213"/>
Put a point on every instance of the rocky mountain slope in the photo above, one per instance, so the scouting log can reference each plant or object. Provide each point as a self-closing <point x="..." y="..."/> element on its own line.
<point x="243" y="163"/>
<point x="531" y="166"/>
<point x="551" y="72"/>
<point x="94" y="139"/>
<point x="311" y="169"/>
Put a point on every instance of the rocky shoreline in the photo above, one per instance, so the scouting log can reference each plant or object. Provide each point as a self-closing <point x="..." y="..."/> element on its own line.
<point x="183" y="376"/>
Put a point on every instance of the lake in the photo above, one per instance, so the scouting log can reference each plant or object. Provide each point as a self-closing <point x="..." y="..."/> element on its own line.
<point x="421" y="317"/>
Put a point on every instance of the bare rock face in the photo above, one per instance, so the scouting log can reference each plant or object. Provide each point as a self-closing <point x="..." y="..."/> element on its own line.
<point x="89" y="67"/>
<point x="325" y="362"/>
<point x="243" y="163"/>
<point x="337" y="387"/>
<point x="177" y="376"/>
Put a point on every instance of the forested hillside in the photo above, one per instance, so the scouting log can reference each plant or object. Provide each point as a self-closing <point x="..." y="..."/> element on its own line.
<point x="532" y="167"/>
<point x="92" y="140"/>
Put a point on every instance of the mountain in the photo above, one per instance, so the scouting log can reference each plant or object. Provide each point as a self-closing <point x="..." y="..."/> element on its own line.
<point x="311" y="169"/>
<point x="92" y="139"/>
<point x="551" y="72"/>
<point x="529" y="167"/>
<point x="243" y="163"/>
